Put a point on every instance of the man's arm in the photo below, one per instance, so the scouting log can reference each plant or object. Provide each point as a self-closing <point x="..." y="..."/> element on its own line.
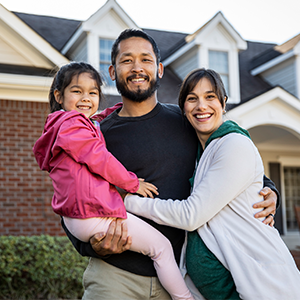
<point x="116" y="240"/>
<point x="270" y="203"/>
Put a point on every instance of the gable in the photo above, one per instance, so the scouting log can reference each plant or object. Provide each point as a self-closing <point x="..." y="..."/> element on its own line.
<point x="110" y="9"/>
<point x="218" y="38"/>
<point x="107" y="22"/>
<point x="108" y="26"/>
<point x="15" y="50"/>
<point x="26" y="46"/>
<point x="219" y="23"/>
<point x="26" y="60"/>
<point x="9" y="55"/>
<point x="275" y="107"/>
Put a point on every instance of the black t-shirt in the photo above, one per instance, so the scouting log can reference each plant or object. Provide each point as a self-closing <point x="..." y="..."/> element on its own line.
<point x="160" y="147"/>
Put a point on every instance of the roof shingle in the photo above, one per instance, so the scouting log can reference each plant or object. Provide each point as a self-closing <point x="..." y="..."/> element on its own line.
<point x="56" y="31"/>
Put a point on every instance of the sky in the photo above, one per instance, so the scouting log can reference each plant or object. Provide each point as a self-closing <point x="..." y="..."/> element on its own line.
<point x="255" y="20"/>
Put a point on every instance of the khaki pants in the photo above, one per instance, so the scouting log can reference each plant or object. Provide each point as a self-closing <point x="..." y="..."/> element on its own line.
<point x="103" y="281"/>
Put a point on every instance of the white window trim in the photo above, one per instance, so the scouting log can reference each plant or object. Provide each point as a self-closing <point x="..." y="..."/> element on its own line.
<point x="233" y="71"/>
<point x="93" y="57"/>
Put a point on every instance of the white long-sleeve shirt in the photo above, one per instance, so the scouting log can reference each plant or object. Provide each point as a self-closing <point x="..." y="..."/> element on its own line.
<point x="227" y="181"/>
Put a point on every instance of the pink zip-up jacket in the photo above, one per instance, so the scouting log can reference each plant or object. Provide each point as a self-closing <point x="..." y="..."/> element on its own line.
<point x="84" y="173"/>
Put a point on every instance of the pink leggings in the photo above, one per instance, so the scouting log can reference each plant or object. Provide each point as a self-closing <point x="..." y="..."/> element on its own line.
<point x="146" y="240"/>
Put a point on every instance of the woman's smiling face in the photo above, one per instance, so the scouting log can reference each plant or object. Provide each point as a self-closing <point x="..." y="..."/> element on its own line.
<point x="203" y="109"/>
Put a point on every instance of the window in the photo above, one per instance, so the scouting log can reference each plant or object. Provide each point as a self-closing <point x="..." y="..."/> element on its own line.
<point x="218" y="61"/>
<point x="105" y="60"/>
<point x="292" y="195"/>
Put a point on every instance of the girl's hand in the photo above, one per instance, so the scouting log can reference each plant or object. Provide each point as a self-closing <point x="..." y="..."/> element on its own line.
<point x="147" y="189"/>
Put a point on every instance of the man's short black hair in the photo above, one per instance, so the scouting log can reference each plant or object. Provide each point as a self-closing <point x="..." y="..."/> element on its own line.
<point x="129" y="33"/>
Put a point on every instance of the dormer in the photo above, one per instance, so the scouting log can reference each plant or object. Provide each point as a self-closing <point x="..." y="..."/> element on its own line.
<point x="93" y="40"/>
<point x="26" y="60"/>
<point x="281" y="66"/>
<point x="216" y="46"/>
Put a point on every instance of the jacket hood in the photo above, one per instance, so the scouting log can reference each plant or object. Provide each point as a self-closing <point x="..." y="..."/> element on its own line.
<point x="43" y="146"/>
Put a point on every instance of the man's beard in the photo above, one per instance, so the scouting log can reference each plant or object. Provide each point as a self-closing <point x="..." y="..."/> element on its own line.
<point x="139" y="95"/>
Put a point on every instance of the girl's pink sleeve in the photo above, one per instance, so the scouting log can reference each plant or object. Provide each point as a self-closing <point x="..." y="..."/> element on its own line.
<point x="81" y="143"/>
<point x="106" y="112"/>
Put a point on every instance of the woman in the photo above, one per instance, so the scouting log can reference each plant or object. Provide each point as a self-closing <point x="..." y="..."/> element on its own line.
<point x="230" y="255"/>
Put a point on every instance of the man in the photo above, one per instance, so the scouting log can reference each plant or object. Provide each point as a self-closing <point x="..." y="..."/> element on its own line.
<point x="157" y="143"/>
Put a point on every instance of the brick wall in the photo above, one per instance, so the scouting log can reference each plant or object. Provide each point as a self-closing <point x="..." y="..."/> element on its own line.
<point x="25" y="191"/>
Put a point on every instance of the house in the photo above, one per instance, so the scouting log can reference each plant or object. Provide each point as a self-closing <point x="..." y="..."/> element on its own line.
<point x="262" y="80"/>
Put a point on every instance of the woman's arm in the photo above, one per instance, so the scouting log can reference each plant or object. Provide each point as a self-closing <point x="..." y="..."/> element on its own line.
<point x="230" y="173"/>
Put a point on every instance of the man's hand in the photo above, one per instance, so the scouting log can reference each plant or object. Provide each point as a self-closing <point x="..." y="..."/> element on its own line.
<point x="115" y="241"/>
<point x="268" y="205"/>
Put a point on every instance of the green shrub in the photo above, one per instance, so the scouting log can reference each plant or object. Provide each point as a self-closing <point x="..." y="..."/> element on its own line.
<point x="40" y="267"/>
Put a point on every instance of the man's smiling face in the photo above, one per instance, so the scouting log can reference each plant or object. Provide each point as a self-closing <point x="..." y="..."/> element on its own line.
<point x="136" y="72"/>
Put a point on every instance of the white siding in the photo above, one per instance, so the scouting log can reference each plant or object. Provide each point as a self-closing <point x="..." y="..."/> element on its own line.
<point x="186" y="63"/>
<point x="10" y="56"/>
<point x="80" y="53"/>
<point x="283" y="75"/>
<point x="15" y="50"/>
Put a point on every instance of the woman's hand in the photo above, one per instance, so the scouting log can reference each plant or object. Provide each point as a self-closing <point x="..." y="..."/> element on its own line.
<point x="268" y="205"/>
<point x="146" y="189"/>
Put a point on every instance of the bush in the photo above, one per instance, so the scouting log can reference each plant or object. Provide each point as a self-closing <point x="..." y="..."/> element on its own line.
<point x="40" y="267"/>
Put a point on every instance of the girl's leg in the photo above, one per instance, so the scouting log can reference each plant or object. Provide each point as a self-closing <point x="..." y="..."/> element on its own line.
<point x="84" y="229"/>
<point x="146" y="240"/>
<point x="149" y="241"/>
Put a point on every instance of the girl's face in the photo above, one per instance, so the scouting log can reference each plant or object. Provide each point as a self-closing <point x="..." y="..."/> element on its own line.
<point x="82" y="95"/>
<point x="203" y="110"/>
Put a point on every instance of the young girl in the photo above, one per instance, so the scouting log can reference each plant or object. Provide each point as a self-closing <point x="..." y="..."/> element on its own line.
<point x="84" y="174"/>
